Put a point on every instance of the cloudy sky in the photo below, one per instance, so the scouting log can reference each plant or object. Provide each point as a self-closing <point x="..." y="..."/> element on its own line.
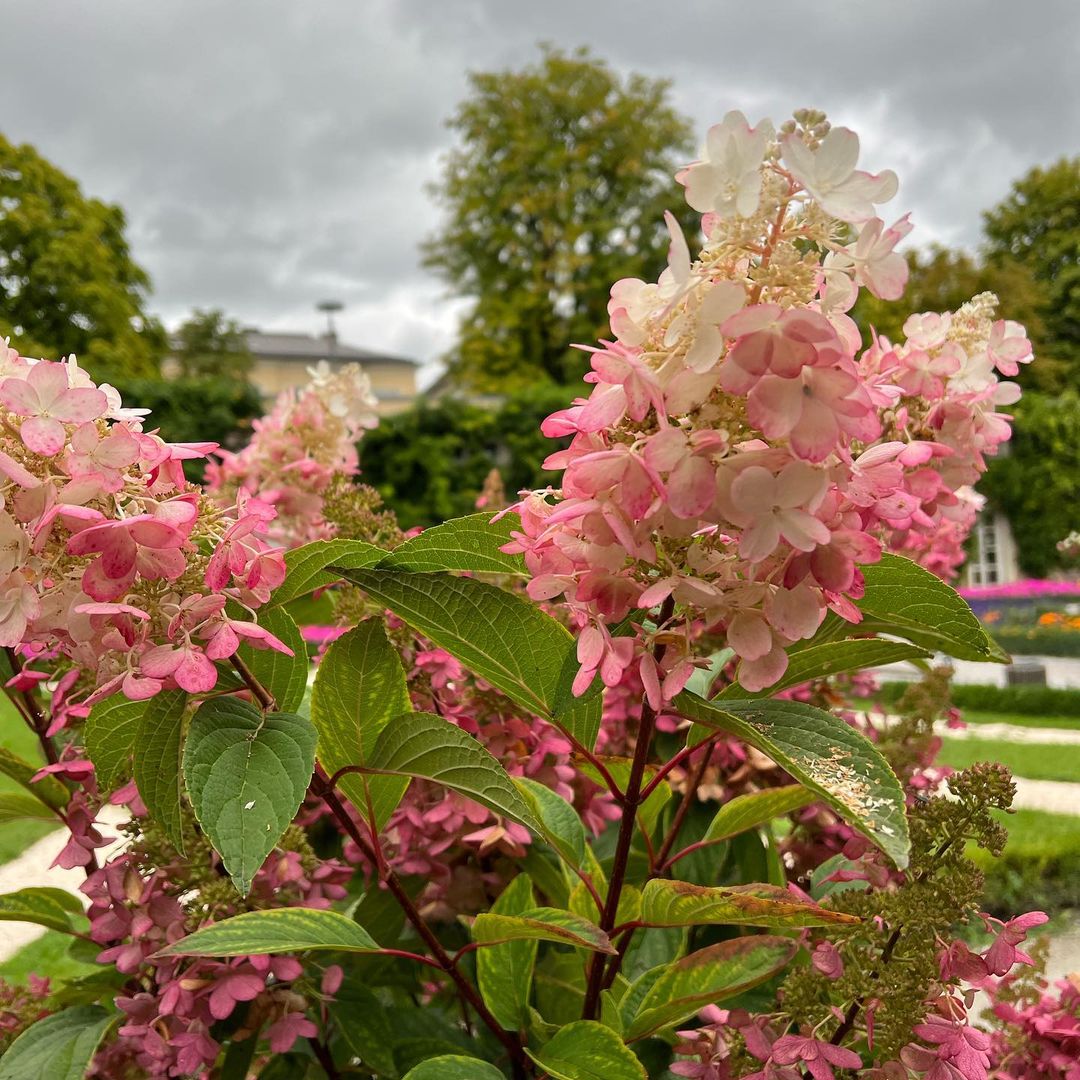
<point x="270" y="154"/>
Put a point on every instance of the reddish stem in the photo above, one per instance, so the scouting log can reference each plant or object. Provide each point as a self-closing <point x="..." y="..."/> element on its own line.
<point x="258" y="691"/>
<point x="693" y="782"/>
<point x="442" y="958"/>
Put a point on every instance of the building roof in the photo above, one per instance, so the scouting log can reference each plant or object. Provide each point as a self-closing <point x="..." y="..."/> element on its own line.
<point x="308" y="347"/>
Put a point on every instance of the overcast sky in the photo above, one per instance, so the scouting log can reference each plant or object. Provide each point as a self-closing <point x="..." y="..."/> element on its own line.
<point x="270" y="154"/>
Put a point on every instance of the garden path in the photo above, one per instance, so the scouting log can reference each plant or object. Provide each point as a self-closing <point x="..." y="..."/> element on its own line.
<point x="1061" y="671"/>
<point x="1011" y="733"/>
<point x="32" y="869"/>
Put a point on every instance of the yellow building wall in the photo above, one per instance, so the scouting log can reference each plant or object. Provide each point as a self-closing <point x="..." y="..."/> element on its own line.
<point x="394" y="385"/>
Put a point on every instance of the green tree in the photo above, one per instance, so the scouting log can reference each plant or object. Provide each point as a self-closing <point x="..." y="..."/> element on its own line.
<point x="68" y="283"/>
<point x="1038" y="226"/>
<point x="1036" y="482"/>
<point x="556" y="190"/>
<point x="208" y="345"/>
<point x="430" y="463"/>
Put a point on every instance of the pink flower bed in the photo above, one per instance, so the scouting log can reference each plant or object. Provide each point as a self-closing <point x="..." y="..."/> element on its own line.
<point x="1027" y="589"/>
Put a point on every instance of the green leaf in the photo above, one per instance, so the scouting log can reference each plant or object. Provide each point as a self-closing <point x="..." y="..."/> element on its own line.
<point x="588" y="1050"/>
<point x="364" y="1024"/>
<point x="45" y="906"/>
<point x="246" y="773"/>
<point x="454" y="1067"/>
<point x="239" y="1055"/>
<point x="619" y="770"/>
<point x="359" y="688"/>
<point x="700" y="682"/>
<point x="678" y="903"/>
<point x="60" y="1047"/>
<point x="503" y="638"/>
<point x="284" y="676"/>
<point x="306" y="566"/>
<point x="542" y="924"/>
<point x="560" y="824"/>
<point x="504" y="972"/>
<point x="431" y="748"/>
<point x="830" y="658"/>
<point x="48" y="789"/>
<point x="275" y="930"/>
<point x="560" y="986"/>
<point x="15" y="806"/>
<point x="467" y="543"/>
<point x="709" y="976"/>
<point x="157" y="764"/>
<point x="824" y="754"/>
<point x="110" y="733"/>
<point x="902" y="598"/>
<point x="746" y="812"/>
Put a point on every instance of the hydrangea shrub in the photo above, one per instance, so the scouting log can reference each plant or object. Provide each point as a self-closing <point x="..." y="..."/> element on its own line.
<point x="575" y="789"/>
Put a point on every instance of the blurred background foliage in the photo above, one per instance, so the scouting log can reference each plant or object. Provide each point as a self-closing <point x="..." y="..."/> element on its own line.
<point x="431" y="462"/>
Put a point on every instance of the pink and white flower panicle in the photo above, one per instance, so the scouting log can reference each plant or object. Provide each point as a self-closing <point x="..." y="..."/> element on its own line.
<point x="107" y="555"/>
<point x="307" y="438"/>
<point x="741" y="452"/>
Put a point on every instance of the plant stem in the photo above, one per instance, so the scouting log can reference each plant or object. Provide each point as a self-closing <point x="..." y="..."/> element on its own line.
<point x="632" y="799"/>
<point x="693" y="782"/>
<point x="322" y="1055"/>
<point x="260" y="693"/>
<point x="518" y="1060"/>
<point x="31" y="711"/>
<point x="442" y="958"/>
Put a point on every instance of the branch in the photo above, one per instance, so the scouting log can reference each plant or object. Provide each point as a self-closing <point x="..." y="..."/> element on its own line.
<point x="693" y="782"/>
<point x="259" y="692"/>
<point x="442" y="958"/>
<point x="27" y="704"/>
<point x="324" y="1058"/>
<point x="632" y="799"/>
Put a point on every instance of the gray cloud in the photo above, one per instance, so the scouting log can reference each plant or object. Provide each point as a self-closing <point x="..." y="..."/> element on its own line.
<point x="270" y="154"/>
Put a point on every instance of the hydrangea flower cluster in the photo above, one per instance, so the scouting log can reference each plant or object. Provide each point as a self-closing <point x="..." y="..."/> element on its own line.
<point x="107" y="555"/>
<point x="307" y="438"/>
<point x="170" y="1004"/>
<point x="1070" y="546"/>
<point x="740" y="454"/>
<point x="947" y="1046"/>
<point x="1037" y="1027"/>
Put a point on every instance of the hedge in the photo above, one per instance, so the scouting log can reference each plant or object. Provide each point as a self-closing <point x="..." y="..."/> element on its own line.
<point x="1022" y="700"/>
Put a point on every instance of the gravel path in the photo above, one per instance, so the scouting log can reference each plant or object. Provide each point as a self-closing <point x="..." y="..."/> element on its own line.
<point x="1061" y="671"/>
<point x="1053" y="796"/>
<point x="1012" y="733"/>
<point x="32" y="869"/>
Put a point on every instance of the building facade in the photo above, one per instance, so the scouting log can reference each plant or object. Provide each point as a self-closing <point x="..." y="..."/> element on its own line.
<point x="993" y="558"/>
<point x="280" y="362"/>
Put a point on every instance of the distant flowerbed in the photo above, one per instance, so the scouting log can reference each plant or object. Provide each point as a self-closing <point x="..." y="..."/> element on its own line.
<point x="1027" y="589"/>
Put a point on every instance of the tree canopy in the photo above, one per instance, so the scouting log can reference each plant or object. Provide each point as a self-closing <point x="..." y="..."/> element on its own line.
<point x="1036" y="483"/>
<point x="431" y="462"/>
<point x="68" y="283"/>
<point x="208" y="344"/>
<point x="1038" y="226"/>
<point x="556" y="189"/>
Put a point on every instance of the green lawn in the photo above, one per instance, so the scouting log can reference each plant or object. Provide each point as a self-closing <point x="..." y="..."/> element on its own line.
<point x="1040" y="869"/>
<point x="48" y="955"/>
<point x="1034" y="761"/>
<point x="1022" y="720"/>
<point x="17" y="836"/>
